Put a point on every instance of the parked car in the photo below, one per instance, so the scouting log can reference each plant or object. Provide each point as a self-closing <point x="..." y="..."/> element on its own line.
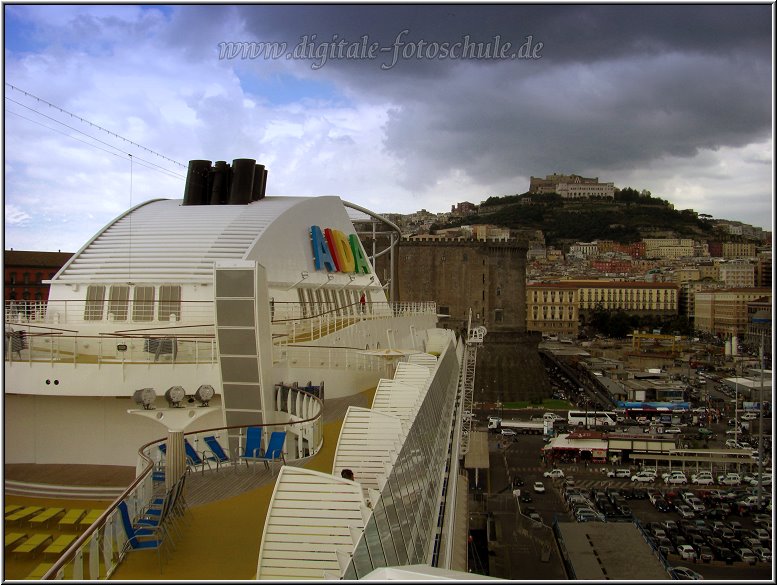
<point x="762" y="554"/>
<point x="672" y="431"/>
<point x="554" y="473"/>
<point x="661" y="505"/>
<point x="685" y="511"/>
<point x="703" y="478"/>
<point x="746" y="555"/>
<point x="619" y="473"/>
<point x="643" y="477"/>
<point x="538" y="487"/>
<point x="684" y="573"/>
<point x="509" y="433"/>
<point x="687" y="552"/>
<point x="676" y="477"/>
<point x="729" y="479"/>
<point x="705" y="554"/>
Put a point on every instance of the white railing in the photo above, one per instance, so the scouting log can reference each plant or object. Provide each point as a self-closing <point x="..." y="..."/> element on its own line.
<point x="104" y="541"/>
<point x="34" y="337"/>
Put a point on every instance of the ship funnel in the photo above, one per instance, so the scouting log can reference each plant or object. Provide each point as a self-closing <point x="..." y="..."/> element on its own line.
<point x="239" y="184"/>
<point x="196" y="190"/>
<point x="241" y="189"/>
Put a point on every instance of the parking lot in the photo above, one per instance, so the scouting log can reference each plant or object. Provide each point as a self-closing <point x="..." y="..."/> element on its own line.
<point x="517" y="465"/>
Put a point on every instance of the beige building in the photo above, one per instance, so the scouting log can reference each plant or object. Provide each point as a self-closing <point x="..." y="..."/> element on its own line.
<point x="571" y="186"/>
<point x="724" y="312"/>
<point x="555" y="308"/>
<point x="737" y="274"/>
<point x="738" y="250"/>
<point x="669" y="248"/>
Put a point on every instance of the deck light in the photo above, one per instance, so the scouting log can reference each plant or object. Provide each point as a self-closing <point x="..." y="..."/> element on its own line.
<point x="204" y="394"/>
<point x="175" y="395"/>
<point x="145" y="397"/>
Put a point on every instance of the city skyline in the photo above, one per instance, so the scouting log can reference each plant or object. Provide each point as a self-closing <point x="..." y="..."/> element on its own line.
<point x="396" y="108"/>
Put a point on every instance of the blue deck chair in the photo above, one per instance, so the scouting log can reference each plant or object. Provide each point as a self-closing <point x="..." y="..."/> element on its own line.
<point x="216" y="451"/>
<point x="194" y="459"/>
<point x="274" y="451"/>
<point x="148" y="539"/>
<point x="253" y="445"/>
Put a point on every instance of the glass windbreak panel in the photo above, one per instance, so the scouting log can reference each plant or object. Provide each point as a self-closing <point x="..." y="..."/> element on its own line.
<point x="350" y="573"/>
<point x="361" y="559"/>
<point x="169" y="302"/>
<point x="143" y="303"/>
<point x="374" y="545"/>
<point x="395" y="512"/>
<point x="118" y="302"/>
<point x="404" y="509"/>
<point x="95" y="301"/>
<point x="384" y="531"/>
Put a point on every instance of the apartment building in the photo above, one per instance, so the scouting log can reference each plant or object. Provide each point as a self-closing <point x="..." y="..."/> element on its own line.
<point x="759" y="326"/>
<point x="737" y="274"/>
<point x="724" y="312"/>
<point x="555" y="308"/>
<point x="738" y="250"/>
<point x="24" y="273"/>
<point x="669" y="248"/>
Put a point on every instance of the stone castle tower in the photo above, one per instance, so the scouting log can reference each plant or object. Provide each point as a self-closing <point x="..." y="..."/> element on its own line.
<point x="488" y="277"/>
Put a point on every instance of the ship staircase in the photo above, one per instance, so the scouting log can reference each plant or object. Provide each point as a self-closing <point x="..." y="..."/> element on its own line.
<point x="467" y="380"/>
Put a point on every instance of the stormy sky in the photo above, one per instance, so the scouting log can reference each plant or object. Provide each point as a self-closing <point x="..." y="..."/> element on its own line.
<point x="394" y="107"/>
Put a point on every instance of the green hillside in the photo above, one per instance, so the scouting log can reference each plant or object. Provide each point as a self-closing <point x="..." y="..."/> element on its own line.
<point x="626" y="219"/>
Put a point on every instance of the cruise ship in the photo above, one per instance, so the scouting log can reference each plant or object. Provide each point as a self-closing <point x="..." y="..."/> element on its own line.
<point x="230" y="316"/>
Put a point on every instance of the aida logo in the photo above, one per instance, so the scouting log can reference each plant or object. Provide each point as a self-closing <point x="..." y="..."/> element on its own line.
<point x="336" y="252"/>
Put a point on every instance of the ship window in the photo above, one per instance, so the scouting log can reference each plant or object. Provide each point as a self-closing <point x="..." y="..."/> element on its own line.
<point x="95" y="298"/>
<point x="118" y="299"/>
<point x="143" y="303"/>
<point x="169" y="302"/>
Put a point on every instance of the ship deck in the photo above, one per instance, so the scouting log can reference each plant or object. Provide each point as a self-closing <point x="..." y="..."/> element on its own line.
<point x="225" y="519"/>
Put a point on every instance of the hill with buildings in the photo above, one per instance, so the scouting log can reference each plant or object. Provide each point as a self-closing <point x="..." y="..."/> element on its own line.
<point x="628" y="217"/>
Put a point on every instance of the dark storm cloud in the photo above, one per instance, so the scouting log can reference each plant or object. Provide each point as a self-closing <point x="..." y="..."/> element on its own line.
<point x="615" y="86"/>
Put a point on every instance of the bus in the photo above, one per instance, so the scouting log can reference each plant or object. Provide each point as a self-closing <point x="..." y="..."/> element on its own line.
<point x="591" y="418"/>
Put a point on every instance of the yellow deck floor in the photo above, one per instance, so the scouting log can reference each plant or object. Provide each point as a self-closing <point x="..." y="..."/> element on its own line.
<point x="219" y="541"/>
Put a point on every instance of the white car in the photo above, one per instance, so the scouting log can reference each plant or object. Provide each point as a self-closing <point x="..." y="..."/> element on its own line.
<point x="538" y="487"/>
<point x="703" y="478"/>
<point x="619" y="473"/>
<point x="672" y="431"/>
<point x="509" y="433"/>
<point x="676" y="478"/>
<point x="687" y="552"/>
<point x="685" y="573"/>
<point x="643" y="477"/>
<point x="749" y="416"/>
<point x="554" y="473"/>
<point x="729" y="479"/>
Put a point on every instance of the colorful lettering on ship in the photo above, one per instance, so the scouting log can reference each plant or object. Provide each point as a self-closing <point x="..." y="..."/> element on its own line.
<point x="337" y="252"/>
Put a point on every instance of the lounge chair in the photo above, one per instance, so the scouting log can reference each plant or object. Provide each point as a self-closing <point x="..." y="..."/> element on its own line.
<point x="216" y="451"/>
<point x="13" y="538"/>
<point x="38" y="572"/>
<point x="25" y="512"/>
<point x="274" y="451"/>
<point x="71" y="517"/>
<point x="194" y="459"/>
<point x="60" y="544"/>
<point x="33" y="544"/>
<point x="90" y="518"/>
<point x="148" y="539"/>
<point x="46" y="516"/>
<point x="11" y="508"/>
